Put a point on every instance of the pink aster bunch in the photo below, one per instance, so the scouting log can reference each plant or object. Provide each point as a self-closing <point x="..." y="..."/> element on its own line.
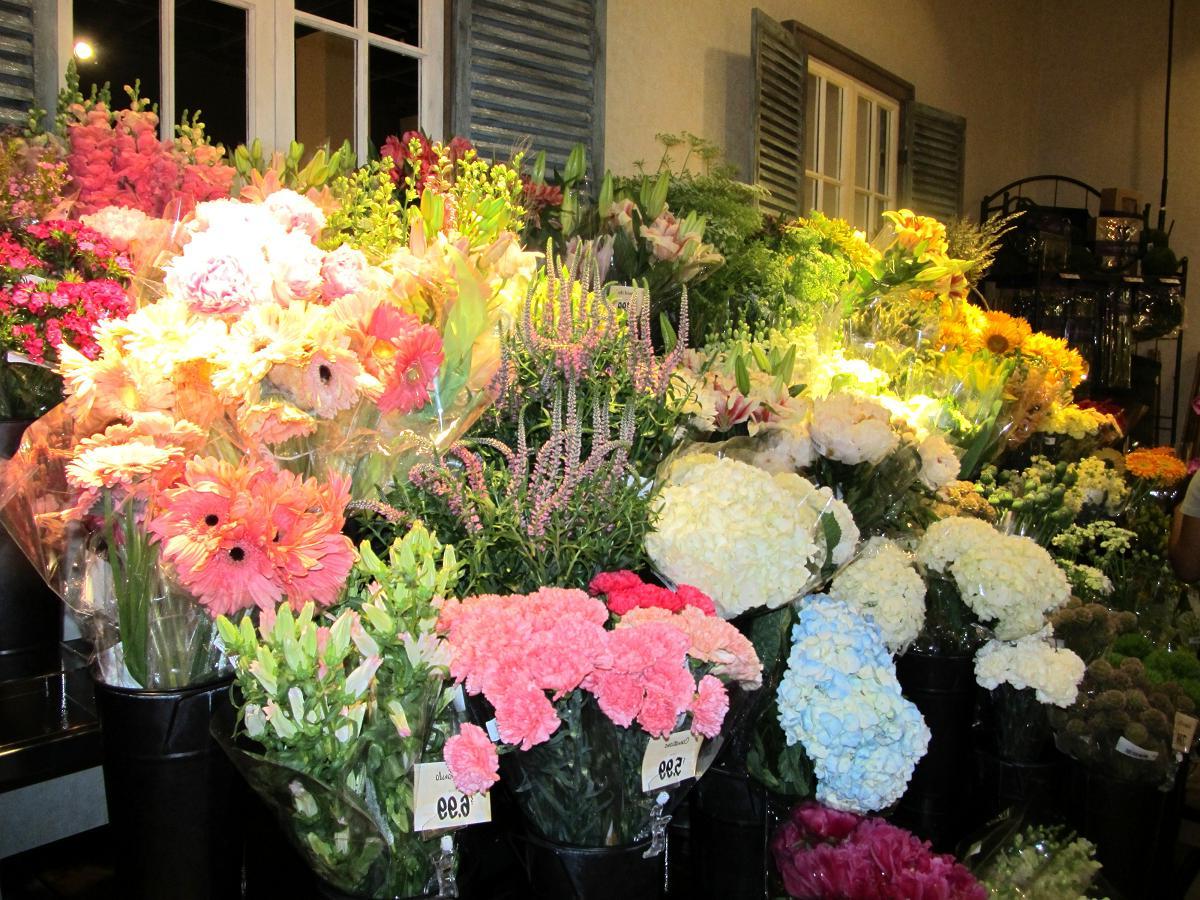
<point x="58" y="281"/>
<point x="823" y="852"/>
<point x="560" y="677"/>
<point x="115" y="158"/>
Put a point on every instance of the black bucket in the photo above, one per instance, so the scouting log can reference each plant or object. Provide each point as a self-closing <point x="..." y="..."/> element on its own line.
<point x="943" y="689"/>
<point x="732" y="821"/>
<point x="562" y="872"/>
<point x="1133" y="825"/>
<point x="30" y="613"/>
<point x="1001" y="784"/>
<point x="172" y="793"/>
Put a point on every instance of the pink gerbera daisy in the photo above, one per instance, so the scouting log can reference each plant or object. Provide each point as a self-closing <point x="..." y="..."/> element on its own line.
<point x="418" y="358"/>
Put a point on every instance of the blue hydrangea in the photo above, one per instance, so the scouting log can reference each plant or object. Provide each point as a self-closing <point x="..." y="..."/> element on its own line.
<point x="841" y="700"/>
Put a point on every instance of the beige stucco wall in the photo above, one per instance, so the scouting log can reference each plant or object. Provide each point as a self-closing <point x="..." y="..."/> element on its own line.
<point x="685" y="65"/>
<point x="1066" y="86"/>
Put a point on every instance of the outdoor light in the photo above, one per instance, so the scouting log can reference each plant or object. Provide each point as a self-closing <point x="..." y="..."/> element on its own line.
<point x="84" y="51"/>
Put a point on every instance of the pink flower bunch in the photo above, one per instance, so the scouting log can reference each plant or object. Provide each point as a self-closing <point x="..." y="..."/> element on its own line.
<point x="524" y="652"/>
<point x="58" y="281"/>
<point x="415" y="154"/>
<point x="250" y="535"/>
<point x="472" y="759"/>
<point x="822" y="852"/>
<point x="115" y="158"/>
<point x="713" y="641"/>
<point x="625" y="590"/>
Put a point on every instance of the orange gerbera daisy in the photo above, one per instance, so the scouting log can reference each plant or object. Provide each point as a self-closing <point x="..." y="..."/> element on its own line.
<point x="1159" y="464"/>
<point x="1001" y="333"/>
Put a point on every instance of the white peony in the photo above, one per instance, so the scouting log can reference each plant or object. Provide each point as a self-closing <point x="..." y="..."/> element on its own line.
<point x="883" y="585"/>
<point x="852" y="429"/>
<point x="787" y="446"/>
<point x="1031" y="662"/>
<point x="939" y="462"/>
<point x="745" y="537"/>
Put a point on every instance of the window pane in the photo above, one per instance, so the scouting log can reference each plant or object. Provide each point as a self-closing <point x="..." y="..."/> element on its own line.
<point x="210" y="67"/>
<point x="833" y="131"/>
<point x="810" y="195"/>
<point x="862" y="145"/>
<point x="862" y="211"/>
<point x="399" y="20"/>
<point x="884" y="144"/>
<point x="324" y="88"/>
<point x="878" y="207"/>
<point x="811" y="125"/>
<point x="337" y="10"/>
<point x="124" y="39"/>
<point x="395" y="94"/>
<point x="831" y="203"/>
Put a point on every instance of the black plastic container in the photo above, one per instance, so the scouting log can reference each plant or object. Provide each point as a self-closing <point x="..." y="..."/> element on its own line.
<point x="1001" y="783"/>
<point x="561" y="872"/>
<point x="937" y="805"/>
<point x="30" y="613"/>
<point x="172" y="793"/>
<point x="732" y="821"/>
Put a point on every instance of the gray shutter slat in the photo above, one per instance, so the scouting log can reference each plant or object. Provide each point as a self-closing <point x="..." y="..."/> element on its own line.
<point x="531" y="74"/>
<point x="780" y="79"/>
<point x="16" y="66"/>
<point x="934" y="161"/>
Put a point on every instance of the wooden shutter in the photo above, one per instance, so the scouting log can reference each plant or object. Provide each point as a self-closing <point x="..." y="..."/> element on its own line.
<point x="933" y="159"/>
<point x="529" y="74"/>
<point x="16" y="61"/>
<point x="780" y="79"/>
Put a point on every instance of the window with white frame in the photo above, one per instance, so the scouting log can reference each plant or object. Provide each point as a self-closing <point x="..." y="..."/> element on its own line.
<point x="309" y="70"/>
<point x="853" y="147"/>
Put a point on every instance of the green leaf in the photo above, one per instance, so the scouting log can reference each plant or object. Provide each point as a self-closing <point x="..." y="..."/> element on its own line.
<point x="832" y="532"/>
<point x="668" y="333"/>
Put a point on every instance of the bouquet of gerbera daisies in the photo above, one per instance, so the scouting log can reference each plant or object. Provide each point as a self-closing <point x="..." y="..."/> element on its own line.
<point x="576" y="691"/>
<point x="206" y="451"/>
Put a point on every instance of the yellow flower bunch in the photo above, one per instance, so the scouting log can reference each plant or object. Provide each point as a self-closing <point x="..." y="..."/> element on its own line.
<point x="921" y="236"/>
<point x="1078" y="423"/>
<point x="1156" y="464"/>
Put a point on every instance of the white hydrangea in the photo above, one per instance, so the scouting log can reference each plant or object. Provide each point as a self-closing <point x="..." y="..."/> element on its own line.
<point x="1007" y="580"/>
<point x="744" y="536"/>
<point x="852" y="429"/>
<point x="883" y="586"/>
<point x="939" y="462"/>
<point x="1031" y="662"/>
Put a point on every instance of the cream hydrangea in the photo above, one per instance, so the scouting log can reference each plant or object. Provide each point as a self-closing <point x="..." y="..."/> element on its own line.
<point x="1031" y="662"/>
<point x="939" y="462"/>
<point x="1007" y="580"/>
<point x="746" y="537"/>
<point x="883" y="585"/>
<point x="852" y="429"/>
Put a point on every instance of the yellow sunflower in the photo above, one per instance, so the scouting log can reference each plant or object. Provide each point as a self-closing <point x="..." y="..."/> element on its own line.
<point x="1055" y="354"/>
<point x="1002" y="333"/>
<point x="961" y="326"/>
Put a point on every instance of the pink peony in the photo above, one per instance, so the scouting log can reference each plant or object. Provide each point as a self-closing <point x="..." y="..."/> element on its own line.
<point x="295" y="212"/>
<point x="295" y="266"/>
<point x="472" y="759"/>
<point x="343" y="272"/>
<point x="216" y="274"/>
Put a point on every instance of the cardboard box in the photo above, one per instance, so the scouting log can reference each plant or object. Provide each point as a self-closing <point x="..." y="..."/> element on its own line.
<point x="1120" y="201"/>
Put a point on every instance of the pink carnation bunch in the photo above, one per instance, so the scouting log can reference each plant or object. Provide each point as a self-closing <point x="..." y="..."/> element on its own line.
<point x="823" y="852"/>
<point x="524" y="653"/>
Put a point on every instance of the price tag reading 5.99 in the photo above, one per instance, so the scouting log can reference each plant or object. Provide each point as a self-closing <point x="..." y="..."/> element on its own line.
<point x="670" y="760"/>
<point x="438" y="804"/>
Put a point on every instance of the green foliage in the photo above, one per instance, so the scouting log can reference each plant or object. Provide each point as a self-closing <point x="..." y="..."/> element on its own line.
<point x="253" y="166"/>
<point x="370" y="218"/>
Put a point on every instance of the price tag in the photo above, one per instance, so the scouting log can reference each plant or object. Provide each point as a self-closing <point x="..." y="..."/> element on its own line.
<point x="438" y="804"/>
<point x="1129" y="748"/>
<point x="670" y="760"/>
<point x="1185" y="732"/>
<point x="1068" y="276"/>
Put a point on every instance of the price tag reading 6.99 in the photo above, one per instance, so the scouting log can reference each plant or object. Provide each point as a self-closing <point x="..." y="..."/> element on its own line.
<point x="670" y="760"/>
<point x="438" y="804"/>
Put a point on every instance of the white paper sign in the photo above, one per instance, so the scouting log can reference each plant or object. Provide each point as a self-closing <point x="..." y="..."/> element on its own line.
<point x="1185" y="732"/>
<point x="1129" y="748"/>
<point x="438" y="804"/>
<point x="670" y="760"/>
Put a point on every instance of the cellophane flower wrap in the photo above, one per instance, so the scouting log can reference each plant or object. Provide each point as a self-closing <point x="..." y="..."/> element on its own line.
<point x="205" y="454"/>
<point x="576" y="691"/>
<point x="836" y="855"/>
<point x="338" y="706"/>
<point x="749" y="538"/>
<point x="979" y="574"/>
<point x="841" y="700"/>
